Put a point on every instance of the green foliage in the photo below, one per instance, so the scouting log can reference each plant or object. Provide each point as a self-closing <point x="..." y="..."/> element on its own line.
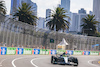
<point x="25" y="14"/>
<point x="58" y="20"/>
<point x="2" y="7"/>
<point x="89" y="25"/>
<point x="97" y="34"/>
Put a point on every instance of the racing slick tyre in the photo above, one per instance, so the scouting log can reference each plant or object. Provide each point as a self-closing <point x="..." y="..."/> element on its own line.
<point x="52" y="59"/>
<point x="76" y="62"/>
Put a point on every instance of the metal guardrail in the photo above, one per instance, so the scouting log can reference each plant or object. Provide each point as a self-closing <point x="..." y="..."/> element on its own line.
<point x="14" y="33"/>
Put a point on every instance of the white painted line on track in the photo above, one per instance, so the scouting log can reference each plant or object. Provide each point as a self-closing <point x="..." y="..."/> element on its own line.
<point x="16" y="59"/>
<point x="33" y="63"/>
<point x="37" y="59"/>
<point x="92" y="64"/>
<point x="2" y="61"/>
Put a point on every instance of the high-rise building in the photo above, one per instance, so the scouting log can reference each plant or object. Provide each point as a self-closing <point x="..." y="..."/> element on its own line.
<point x="41" y="22"/>
<point x="76" y="22"/>
<point x="48" y="14"/>
<point x="66" y="5"/>
<point x="26" y="1"/>
<point x="80" y="22"/>
<point x="82" y="11"/>
<point x="96" y="12"/>
<point x="17" y="3"/>
<point x="14" y="5"/>
<point x="90" y="12"/>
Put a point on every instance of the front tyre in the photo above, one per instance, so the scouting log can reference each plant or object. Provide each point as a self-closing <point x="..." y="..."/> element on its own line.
<point x="76" y="62"/>
<point x="52" y="59"/>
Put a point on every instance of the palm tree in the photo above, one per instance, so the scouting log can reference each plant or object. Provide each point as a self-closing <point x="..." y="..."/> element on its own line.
<point x="2" y="7"/>
<point x="58" y="20"/>
<point x="25" y="14"/>
<point x="89" y="25"/>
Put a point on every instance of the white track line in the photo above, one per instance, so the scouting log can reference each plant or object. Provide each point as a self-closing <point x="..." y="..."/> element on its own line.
<point x="92" y="64"/>
<point x="16" y="59"/>
<point x="37" y="59"/>
<point x="33" y="63"/>
<point x="2" y="61"/>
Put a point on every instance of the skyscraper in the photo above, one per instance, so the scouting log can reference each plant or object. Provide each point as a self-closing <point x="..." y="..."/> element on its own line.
<point x="76" y="22"/>
<point x="66" y="5"/>
<point x="90" y="12"/>
<point x="41" y="22"/>
<point x="14" y="5"/>
<point x="96" y="12"/>
<point x="48" y="14"/>
<point x="82" y="11"/>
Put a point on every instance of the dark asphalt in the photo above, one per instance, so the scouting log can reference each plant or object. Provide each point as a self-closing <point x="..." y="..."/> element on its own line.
<point x="42" y="61"/>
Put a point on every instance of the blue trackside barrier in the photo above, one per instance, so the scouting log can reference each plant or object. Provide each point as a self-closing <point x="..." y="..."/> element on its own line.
<point x="70" y="52"/>
<point x="53" y="52"/>
<point x="3" y="50"/>
<point x="20" y="51"/>
<point x="36" y="51"/>
<point x="86" y="52"/>
<point x="30" y="51"/>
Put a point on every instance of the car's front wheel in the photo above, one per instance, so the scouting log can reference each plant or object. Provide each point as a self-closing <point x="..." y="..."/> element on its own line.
<point x="76" y="62"/>
<point x="52" y="59"/>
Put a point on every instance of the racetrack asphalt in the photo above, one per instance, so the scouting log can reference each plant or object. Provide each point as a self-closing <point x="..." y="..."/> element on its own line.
<point x="42" y="61"/>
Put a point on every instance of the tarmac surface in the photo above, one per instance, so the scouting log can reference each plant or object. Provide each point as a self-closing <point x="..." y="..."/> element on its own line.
<point x="43" y="61"/>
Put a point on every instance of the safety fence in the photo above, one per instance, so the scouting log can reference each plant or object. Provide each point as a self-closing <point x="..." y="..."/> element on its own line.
<point x="31" y="51"/>
<point x="14" y="33"/>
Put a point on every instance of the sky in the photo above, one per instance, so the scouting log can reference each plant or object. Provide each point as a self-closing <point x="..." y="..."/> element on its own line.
<point x="75" y="5"/>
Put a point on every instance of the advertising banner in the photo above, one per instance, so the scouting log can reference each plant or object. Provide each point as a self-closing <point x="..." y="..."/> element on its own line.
<point x="11" y="50"/>
<point x="53" y="52"/>
<point x="70" y="52"/>
<point x="94" y="52"/>
<point x="3" y="50"/>
<point x="27" y="51"/>
<point x="36" y="51"/>
<point x="86" y="52"/>
<point x="20" y="50"/>
<point x="61" y="51"/>
<point x="0" y="50"/>
<point x="43" y="51"/>
<point x="77" y="52"/>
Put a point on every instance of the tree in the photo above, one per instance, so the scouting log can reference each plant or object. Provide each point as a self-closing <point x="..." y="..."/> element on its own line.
<point x="89" y="25"/>
<point x="2" y="8"/>
<point x="25" y="14"/>
<point x="58" y="20"/>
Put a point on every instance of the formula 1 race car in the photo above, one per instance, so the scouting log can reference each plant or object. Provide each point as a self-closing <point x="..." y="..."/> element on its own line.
<point x="64" y="59"/>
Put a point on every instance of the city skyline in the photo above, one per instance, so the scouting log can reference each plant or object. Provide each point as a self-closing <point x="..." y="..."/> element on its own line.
<point x="96" y="11"/>
<point x="86" y="4"/>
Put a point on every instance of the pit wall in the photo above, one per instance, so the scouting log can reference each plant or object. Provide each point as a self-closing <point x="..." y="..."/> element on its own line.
<point x="30" y="51"/>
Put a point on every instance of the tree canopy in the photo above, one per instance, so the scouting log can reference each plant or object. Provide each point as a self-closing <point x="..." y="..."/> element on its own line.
<point x="2" y="7"/>
<point x="58" y="20"/>
<point x="26" y="14"/>
<point x="89" y="25"/>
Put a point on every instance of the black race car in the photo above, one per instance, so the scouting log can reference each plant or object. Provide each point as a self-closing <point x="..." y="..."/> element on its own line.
<point x="64" y="59"/>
